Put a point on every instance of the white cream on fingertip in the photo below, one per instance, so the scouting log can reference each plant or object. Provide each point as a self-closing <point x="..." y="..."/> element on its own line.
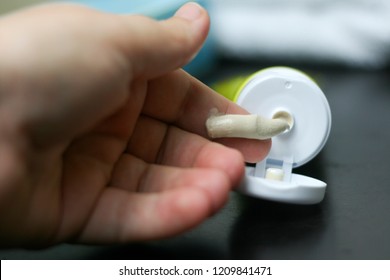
<point x="247" y="126"/>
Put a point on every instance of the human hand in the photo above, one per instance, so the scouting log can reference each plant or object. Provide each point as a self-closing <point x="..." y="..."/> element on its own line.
<point x="102" y="139"/>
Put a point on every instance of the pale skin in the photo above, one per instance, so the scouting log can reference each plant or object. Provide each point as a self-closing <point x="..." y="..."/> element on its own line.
<point x="102" y="136"/>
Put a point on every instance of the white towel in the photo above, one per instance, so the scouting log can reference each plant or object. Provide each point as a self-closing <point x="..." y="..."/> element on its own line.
<point x="352" y="32"/>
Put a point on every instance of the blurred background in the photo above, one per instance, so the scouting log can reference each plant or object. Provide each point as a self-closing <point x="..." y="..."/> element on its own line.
<point x="345" y="47"/>
<point x="8" y="5"/>
<point x="349" y="33"/>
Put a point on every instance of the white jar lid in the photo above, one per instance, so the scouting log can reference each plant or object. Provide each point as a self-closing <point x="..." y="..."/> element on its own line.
<point x="285" y="89"/>
<point x="281" y="89"/>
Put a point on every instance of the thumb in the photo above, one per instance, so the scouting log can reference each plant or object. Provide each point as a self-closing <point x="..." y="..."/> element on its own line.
<point x="155" y="48"/>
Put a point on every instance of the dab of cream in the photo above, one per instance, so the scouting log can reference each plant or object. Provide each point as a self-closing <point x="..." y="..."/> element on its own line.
<point x="248" y="126"/>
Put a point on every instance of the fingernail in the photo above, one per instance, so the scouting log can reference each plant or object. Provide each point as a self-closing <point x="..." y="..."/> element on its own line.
<point x="190" y="11"/>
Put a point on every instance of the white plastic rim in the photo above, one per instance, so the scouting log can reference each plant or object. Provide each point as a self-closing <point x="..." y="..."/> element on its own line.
<point x="285" y="89"/>
<point x="301" y="189"/>
<point x="281" y="89"/>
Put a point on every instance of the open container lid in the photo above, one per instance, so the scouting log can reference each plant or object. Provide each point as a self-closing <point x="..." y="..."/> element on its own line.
<point x="281" y="89"/>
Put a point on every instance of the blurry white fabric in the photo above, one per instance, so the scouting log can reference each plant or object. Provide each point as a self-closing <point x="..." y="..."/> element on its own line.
<point x="352" y="32"/>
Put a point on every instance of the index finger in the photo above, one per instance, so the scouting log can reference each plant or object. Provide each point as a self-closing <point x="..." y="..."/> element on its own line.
<point x="184" y="101"/>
